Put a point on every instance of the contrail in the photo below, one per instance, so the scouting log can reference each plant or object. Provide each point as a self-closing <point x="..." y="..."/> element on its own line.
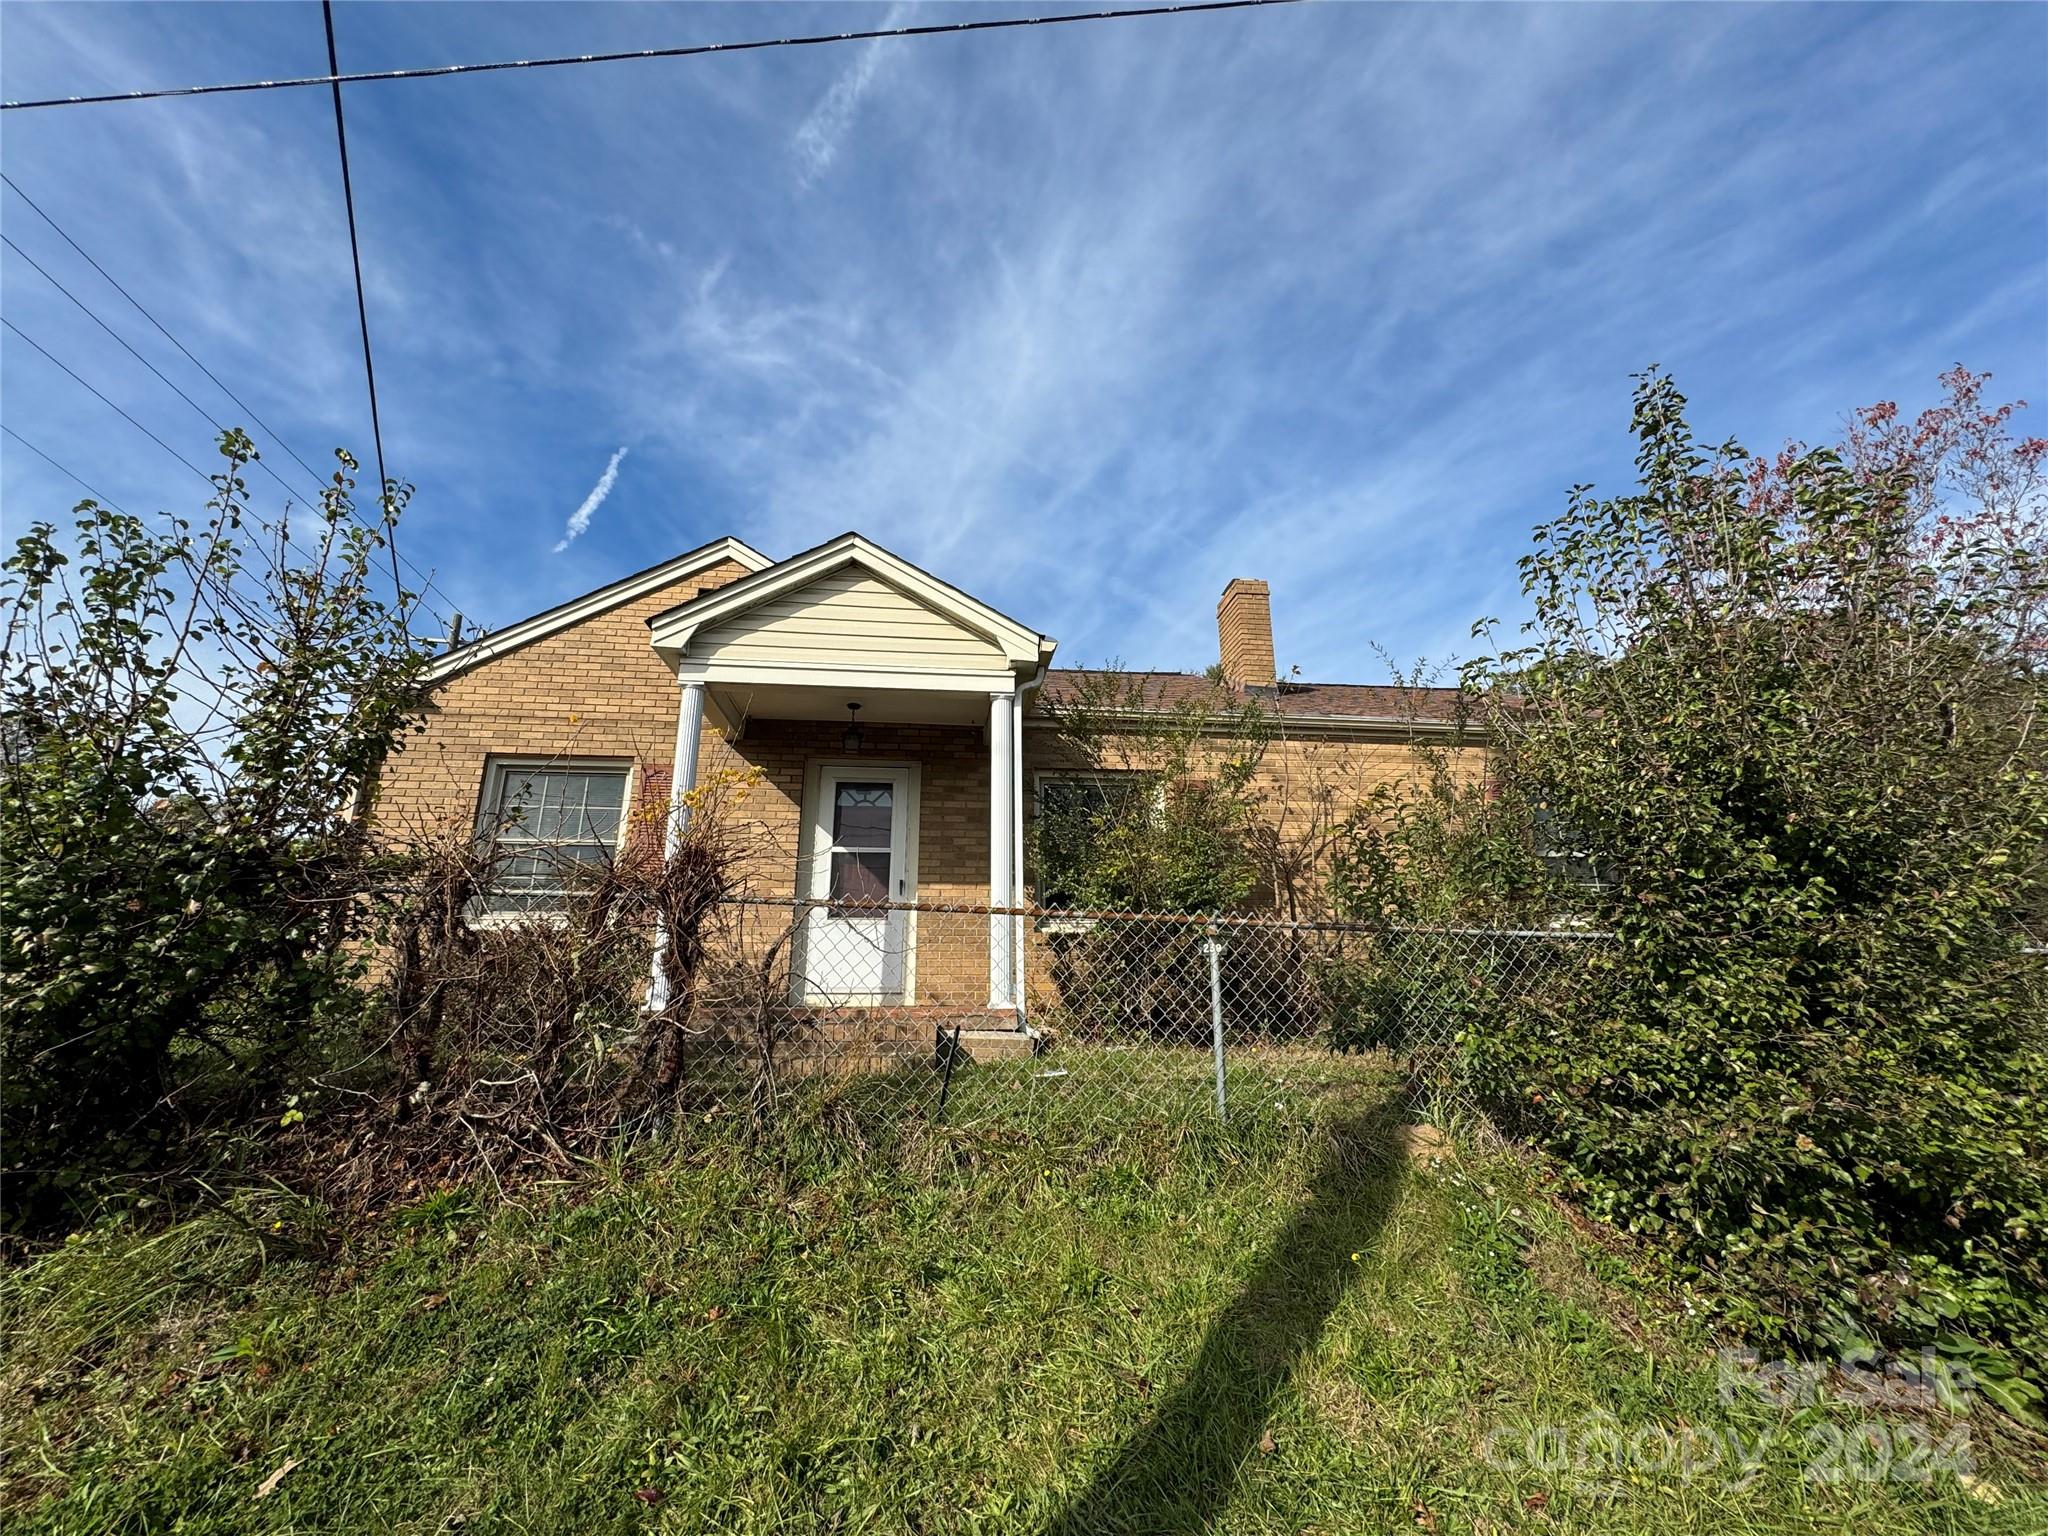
<point x="580" y="518"/>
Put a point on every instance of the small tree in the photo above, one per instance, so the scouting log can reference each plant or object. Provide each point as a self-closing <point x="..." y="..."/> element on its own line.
<point x="1791" y="710"/>
<point x="1172" y="823"/>
<point x="188" y="715"/>
<point x="1447" y="845"/>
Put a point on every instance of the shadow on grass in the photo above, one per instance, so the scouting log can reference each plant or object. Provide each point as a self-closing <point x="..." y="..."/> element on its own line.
<point x="1180" y="1468"/>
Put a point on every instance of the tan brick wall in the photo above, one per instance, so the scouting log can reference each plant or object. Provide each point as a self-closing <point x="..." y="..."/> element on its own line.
<point x="598" y="691"/>
<point x="952" y="763"/>
<point x="593" y="690"/>
<point x="1302" y="782"/>
<point x="1244" y="631"/>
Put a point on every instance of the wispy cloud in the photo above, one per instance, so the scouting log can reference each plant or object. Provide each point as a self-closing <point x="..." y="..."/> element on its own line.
<point x="1125" y="337"/>
<point x="579" y="520"/>
<point x="818" y="137"/>
<point x="1088" y="319"/>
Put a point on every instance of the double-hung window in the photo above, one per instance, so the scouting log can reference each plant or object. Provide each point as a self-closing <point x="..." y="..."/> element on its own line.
<point x="1076" y="812"/>
<point x="549" y="826"/>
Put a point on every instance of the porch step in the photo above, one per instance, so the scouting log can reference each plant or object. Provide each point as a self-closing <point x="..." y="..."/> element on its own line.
<point x="982" y="1046"/>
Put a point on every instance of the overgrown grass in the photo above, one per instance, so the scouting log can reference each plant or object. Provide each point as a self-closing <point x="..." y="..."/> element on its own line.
<point x="1061" y="1321"/>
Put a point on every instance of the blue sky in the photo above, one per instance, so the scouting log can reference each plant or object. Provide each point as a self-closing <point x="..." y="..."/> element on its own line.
<point x="1086" y="320"/>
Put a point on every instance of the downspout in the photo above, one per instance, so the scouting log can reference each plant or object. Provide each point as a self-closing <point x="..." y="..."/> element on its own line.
<point x="1020" y="968"/>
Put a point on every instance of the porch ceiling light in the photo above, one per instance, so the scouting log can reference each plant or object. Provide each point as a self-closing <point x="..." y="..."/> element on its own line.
<point x="852" y="737"/>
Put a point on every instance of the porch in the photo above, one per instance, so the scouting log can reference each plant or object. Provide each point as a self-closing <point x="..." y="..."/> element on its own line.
<point x="880" y="713"/>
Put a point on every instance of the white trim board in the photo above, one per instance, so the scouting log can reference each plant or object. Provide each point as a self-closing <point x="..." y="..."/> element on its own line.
<point x="768" y="673"/>
<point x="501" y="641"/>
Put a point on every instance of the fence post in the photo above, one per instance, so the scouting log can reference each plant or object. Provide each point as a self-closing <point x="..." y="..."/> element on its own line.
<point x="1216" y="1022"/>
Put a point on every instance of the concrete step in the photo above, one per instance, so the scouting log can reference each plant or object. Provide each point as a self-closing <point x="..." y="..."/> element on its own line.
<point x="982" y="1046"/>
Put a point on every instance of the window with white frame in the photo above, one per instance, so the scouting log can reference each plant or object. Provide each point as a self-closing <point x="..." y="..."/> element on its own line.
<point x="1074" y="814"/>
<point x="548" y="825"/>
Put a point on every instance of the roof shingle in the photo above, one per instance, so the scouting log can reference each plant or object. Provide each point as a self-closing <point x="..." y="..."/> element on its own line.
<point x="1347" y="701"/>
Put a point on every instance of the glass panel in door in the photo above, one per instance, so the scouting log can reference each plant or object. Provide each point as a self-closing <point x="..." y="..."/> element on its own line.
<point x="863" y="822"/>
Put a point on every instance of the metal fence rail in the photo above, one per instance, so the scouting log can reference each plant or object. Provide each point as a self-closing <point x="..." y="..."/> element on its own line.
<point x="975" y="1012"/>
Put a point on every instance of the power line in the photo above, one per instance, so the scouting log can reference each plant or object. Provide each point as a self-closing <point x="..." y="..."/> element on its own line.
<point x="67" y="474"/>
<point x="228" y="594"/>
<point x="108" y="502"/>
<point x="334" y="77"/>
<point x="427" y="582"/>
<point x="240" y="405"/>
<point x="138" y="426"/>
<point x="169" y="383"/>
<point x="425" y="578"/>
<point x="167" y="448"/>
<point x="348" y="198"/>
<point x="88" y="386"/>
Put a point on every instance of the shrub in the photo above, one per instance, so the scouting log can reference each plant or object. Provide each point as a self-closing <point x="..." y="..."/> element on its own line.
<point x="1791" y="711"/>
<point x="499" y="1047"/>
<point x="187" y="715"/>
<point x="1168" y="820"/>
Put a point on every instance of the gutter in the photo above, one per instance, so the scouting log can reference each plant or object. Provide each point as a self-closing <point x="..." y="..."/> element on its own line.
<point x="1324" y="725"/>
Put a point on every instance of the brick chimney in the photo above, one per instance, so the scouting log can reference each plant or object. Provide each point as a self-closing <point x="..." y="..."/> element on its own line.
<point x="1244" y="624"/>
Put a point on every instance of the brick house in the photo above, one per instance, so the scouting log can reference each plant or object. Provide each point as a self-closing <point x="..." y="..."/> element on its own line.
<point x="889" y="735"/>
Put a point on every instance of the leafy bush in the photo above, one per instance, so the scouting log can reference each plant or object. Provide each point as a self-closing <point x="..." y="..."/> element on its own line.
<point x="1168" y="816"/>
<point x="1446" y="845"/>
<point x="1791" y="711"/>
<point x="187" y="716"/>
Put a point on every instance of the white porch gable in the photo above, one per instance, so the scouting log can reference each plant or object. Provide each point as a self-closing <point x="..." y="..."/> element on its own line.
<point x="852" y="617"/>
<point x="848" y="612"/>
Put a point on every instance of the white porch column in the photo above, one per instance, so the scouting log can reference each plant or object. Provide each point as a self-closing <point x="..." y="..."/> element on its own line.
<point x="682" y="779"/>
<point x="683" y="776"/>
<point x="1002" y="884"/>
<point x="1020" y="971"/>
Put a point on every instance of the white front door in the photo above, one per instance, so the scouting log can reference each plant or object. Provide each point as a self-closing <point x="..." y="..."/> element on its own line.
<point x="856" y="951"/>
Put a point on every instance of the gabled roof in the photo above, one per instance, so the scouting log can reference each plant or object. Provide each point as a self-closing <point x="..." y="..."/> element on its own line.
<point x="1021" y="646"/>
<point x="577" y="609"/>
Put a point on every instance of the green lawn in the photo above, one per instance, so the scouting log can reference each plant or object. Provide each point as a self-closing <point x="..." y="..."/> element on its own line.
<point x="1080" y="1316"/>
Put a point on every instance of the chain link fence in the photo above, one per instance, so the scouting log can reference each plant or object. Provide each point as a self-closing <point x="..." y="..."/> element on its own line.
<point x="972" y="1014"/>
<point x="529" y="1040"/>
